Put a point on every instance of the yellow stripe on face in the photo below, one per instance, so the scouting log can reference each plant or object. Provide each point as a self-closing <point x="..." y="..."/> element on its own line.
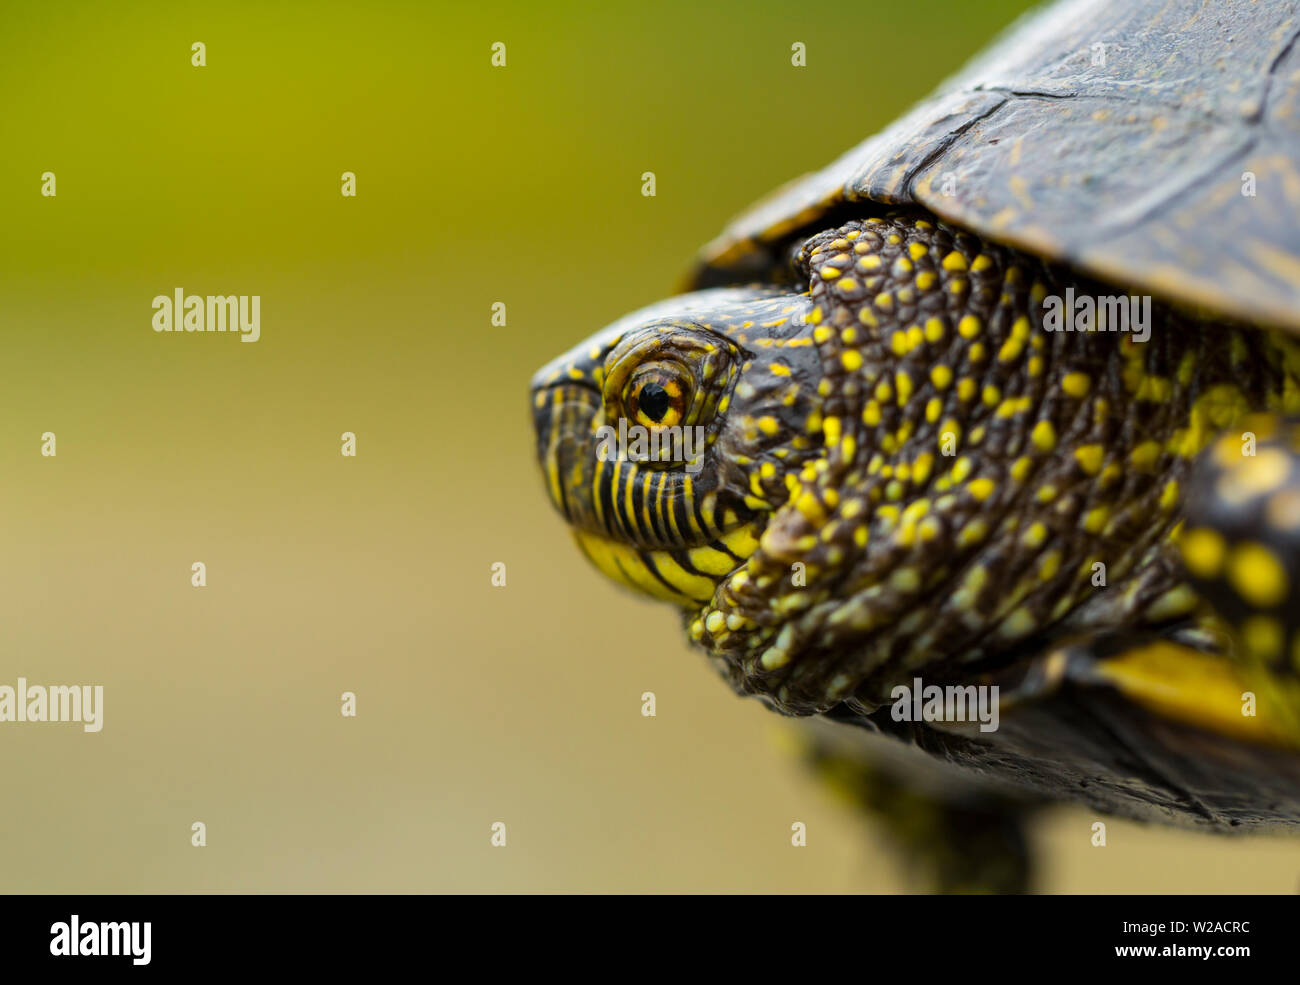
<point x="742" y="541"/>
<point x="552" y="450"/>
<point x="664" y="520"/>
<point x="712" y="562"/>
<point x="597" y="503"/>
<point x="629" y="507"/>
<point x="695" y="587"/>
<point x="622" y="564"/>
<point x="688" y="502"/>
<point x="646" y="520"/>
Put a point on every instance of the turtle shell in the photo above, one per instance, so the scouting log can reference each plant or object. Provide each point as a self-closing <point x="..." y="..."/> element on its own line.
<point x="1152" y="144"/>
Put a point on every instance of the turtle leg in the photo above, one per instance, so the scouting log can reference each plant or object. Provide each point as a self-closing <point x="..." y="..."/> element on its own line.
<point x="1241" y="547"/>
<point x="952" y="835"/>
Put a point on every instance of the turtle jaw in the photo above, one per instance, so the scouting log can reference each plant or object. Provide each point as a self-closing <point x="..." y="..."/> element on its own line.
<point x="688" y="578"/>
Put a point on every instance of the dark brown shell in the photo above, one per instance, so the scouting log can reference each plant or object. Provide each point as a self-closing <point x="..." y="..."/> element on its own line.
<point x="1119" y="137"/>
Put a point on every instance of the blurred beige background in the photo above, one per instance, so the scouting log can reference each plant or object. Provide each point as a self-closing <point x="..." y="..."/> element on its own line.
<point x="372" y="574"/>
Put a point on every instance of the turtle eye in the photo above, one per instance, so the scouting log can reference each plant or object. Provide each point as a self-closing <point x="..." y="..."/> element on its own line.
<point x="657" y="397"/>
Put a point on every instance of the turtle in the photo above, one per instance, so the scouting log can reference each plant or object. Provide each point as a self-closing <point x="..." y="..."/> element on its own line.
<point x="977" y="449"/>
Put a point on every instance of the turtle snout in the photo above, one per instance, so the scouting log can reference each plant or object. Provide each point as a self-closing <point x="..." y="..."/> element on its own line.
<point x="563" y="417"/>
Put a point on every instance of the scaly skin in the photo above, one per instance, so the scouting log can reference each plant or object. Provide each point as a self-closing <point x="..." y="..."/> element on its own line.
<point x="905" y="472"/>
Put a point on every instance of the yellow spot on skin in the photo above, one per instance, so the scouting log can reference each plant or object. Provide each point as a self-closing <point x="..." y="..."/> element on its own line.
<point x="1090" y="458"/>
<point x="905" y="580"/>
<point x="1035" y="535"/>
<point x="1172" y="604"/>
<point x="715" y="622"/>
<point x="810" y="507"/>
<point x="1020" y="470"/>
<point x="1263" y="637"/>
<point x="1203" y="552"/>
<point x="1019" y="623"/>
<point x="1145" y="456"/>
<point x="969" y="327"/>
<point x="933" y="408"/>
<point x="1076" y="384"/>
<point x="981" y="262"/>
<point x="925" y="280"/>
<point x="921" y="467"/>
<point x="972" y="533"/>
<point x="982" y="489"/>
<point x="904" y="384"/>
<point x="829" y="273"/>
<point x="768" y="425"/>
<point x="1095" y="519"/>
<point x="869" y="263"/>
<point x="852" y="360"/>
<point x="871" y="414"/>
<point x="917" y="250"/>
<point x="929" y="529"/>
<point x="1044" y="436"/>
<point x="1010" y="350"/>
<point x="1049" y="566"/>
<point x="1169" y="496"/>
<point x="1257" y="575"/>
<point x="966" y="389"/>
<point x="941" y="377"/>
<point x="977" y="352"/>
<point x="954" y="261"/>
<point x="1254" y="476"/>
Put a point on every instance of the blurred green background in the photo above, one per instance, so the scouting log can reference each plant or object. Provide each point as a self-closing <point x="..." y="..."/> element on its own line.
<point x="476" y="704"/>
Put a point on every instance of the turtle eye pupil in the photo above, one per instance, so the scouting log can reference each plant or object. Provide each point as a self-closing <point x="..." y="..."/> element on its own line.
<point x="654" y="401"/>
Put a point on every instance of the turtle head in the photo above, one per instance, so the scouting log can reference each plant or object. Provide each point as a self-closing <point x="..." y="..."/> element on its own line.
<point x="666" y="439"/>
